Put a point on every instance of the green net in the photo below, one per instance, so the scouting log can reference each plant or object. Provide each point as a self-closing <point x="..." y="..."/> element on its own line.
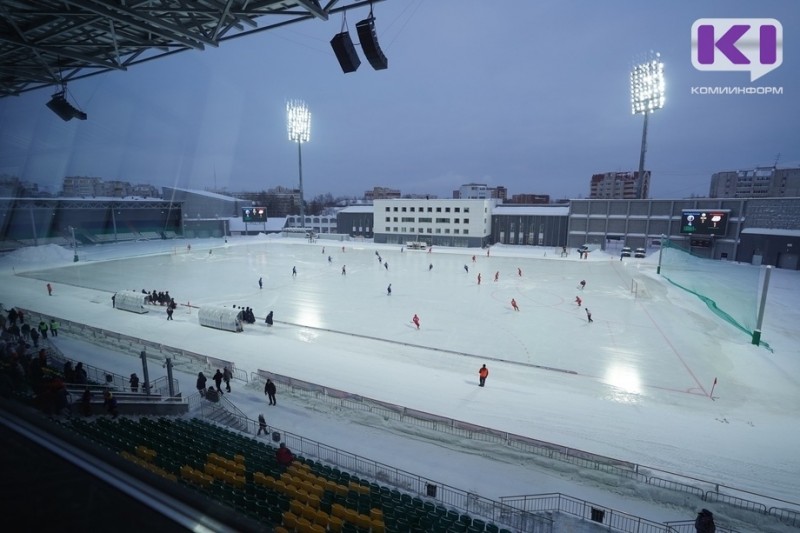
<point x="729" y="290"/>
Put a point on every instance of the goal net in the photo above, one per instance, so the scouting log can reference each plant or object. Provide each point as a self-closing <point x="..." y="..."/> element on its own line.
<point x="729" y="290"/>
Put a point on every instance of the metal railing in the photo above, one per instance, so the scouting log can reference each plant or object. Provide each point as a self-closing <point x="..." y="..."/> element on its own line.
<point x="786" y="511"/>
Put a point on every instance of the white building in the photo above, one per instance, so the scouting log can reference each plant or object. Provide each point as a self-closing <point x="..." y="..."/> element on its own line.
<point x="441" y="222"/>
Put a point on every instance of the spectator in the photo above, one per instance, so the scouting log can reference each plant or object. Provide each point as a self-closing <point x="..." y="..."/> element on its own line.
<point x="201" y="383"/>
<point x="262" y="425"/>
<point x="212" y="395"/>
<point x="226" y="377"/>
<point x="110" y="403"/>
<point x="80" y="374"/>
<point x="704" y="523"/>
<point x="284" y="455"/>
<point x="134" y="382"/>
<point x="86" y="402"/>
<point x="218" y="380"/>
<point x="69" y="372"/>
<point x="35" y="337"/>
<point x="269" y="390"/>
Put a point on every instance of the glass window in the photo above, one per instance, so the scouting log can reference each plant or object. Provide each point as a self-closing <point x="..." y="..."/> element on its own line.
<point x="466" y="209"/>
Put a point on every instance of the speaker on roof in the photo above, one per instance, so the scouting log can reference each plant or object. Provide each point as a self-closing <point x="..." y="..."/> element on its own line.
<point x="369" y="44"/>
<point x="345" y="52"/>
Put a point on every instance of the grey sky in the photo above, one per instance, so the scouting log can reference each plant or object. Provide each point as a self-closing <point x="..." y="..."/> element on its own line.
<point x="532" y="95"/>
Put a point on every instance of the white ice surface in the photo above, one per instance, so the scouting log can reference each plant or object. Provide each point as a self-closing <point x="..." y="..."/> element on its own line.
<point x="634" y="385"/>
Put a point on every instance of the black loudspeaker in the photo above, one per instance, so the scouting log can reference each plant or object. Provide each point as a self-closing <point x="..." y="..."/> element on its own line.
<point x="369" y="44"/>
<point x="345" y="52"/>
<point x="59" y="105"/>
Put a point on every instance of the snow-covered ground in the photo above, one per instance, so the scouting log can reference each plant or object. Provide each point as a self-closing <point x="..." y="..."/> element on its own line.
<point x="635" y="384"/>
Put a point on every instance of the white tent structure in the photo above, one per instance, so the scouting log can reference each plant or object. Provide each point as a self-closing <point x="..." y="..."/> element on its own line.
<point x="130" y="301"/>
<point x="227" y="318"/>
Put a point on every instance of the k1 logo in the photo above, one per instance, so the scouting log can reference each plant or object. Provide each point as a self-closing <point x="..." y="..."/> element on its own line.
<point x="754" y="45"/>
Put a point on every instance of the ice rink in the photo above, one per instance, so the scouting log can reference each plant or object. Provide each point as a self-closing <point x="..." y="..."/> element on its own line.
<point x="635" y="384"/>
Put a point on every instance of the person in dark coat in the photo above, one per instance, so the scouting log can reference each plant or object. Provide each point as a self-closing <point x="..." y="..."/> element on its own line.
<point x="218" y="380"/>
<point x="269" y="319"/>
<point x="86" y="402"/>
<point x="704" y="523"/>
<point x="262" y="425"/>
<point x="134" y="382"/>
<point x="35" y="337"/>
<point x="226" y="377"/>
<point x="201" y="383"/>
<point x="269" y="390"/>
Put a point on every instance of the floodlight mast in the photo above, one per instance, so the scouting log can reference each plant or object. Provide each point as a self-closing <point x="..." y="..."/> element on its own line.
<point x="298" y="125"/>
<point x="647" y="95"/>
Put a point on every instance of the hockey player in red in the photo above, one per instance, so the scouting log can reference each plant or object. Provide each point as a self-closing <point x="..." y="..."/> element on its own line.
<point x="415" y="320"/>
<point x="578" y="300"/>
<point x="514" y="304"/>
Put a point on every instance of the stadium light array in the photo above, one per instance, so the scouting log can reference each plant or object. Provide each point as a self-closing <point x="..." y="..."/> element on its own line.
<point x="647" y="95"/>
<point x="298" y="126"/>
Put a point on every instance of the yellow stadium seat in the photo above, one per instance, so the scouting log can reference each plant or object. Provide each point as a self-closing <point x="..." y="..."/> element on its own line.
<point x="290" y="520"/>
<point x="338" y="510"/>
<point x="335" y="524"/>
<point x="376" y="515"/>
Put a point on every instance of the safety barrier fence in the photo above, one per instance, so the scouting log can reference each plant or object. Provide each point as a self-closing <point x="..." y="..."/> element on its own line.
<point x="786" y="511"/>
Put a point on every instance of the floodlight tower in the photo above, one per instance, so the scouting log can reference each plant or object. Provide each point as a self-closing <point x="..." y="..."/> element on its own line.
<point x="647" y="95"/>
<point x="298" y="125"/>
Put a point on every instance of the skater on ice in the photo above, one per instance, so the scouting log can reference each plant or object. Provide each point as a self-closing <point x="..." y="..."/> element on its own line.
<point x="389" y="290"/>
<point x="483" y="373"/>
<point x="386" y="266"/>
<point x="479" y="278"/>
<point x="578" y="300"/>
<point x="589" y="315"/>
<point x="344" y="270"/>
<point x="260" y="283"/>
<point x="582" y="284"/>
<point x="415" y="320"/>
<point x="519" y="272"/>
<point x="466" y="269"/>
<point x="294" y="271"/>
<point x="497" y="275"/>
<point x="514" y="304"/>
<point x="268" y="320"/>
<point x="430" y="267"/>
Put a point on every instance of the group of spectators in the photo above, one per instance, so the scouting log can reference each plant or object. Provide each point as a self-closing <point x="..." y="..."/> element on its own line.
<point x="159" y="298"/>
<point x="246" y="315"/>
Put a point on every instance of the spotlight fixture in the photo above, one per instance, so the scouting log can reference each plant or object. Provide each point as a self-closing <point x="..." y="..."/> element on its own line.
<point x="58" y="104"/>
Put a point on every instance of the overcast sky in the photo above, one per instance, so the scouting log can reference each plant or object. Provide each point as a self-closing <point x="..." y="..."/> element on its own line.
<point x="531" y="95"/>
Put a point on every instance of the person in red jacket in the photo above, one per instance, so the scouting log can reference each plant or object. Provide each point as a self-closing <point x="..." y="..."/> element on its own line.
<point x="415" y="320"/>
<point x="483" y="373"/>
<point x="284" y="456"/>
<point x="514" y="304"/>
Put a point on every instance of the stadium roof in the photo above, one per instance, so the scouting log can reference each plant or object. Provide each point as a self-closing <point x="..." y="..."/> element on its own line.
<point x="51" y="42"/>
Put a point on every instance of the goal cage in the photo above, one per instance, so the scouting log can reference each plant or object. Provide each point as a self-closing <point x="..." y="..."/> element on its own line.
<point x="729" y="290"/>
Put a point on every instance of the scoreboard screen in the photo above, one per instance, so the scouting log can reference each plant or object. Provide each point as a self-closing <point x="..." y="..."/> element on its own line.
<point x="704" y="221"/>
<point x="254" y="214"/>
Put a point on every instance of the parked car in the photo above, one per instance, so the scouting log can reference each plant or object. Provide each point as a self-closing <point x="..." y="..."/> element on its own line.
<point x="626" y="252"/>
<point x="640" y="253"/>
